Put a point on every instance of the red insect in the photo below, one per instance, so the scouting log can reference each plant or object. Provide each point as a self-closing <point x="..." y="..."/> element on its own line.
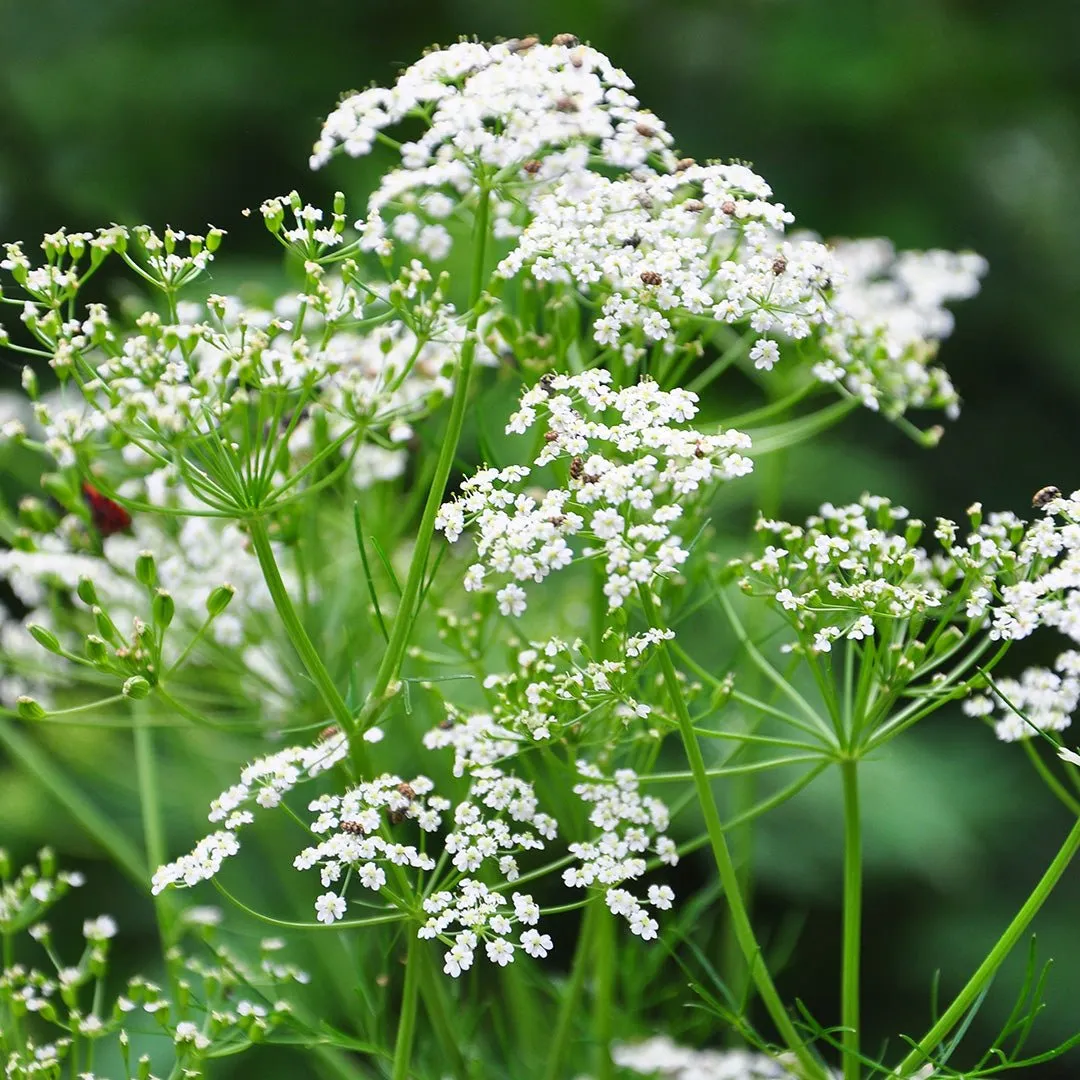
<point x="108" y="517"/>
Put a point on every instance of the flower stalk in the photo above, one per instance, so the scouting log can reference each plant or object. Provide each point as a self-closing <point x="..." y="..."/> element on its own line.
<point x="390" y="665"/>
<point x="852" y="915"/>
<point x="923" y="1050"/>
<point x="729" y="878"/>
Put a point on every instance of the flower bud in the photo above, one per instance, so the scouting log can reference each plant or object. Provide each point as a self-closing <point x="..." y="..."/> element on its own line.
<point x="47" y="862"/>
<point x="949" y="638"/>
<point x="5" y="864"/>
<point x="219" y="599"/>
<point x="146" y="569"/>
<point x="29" y="709"/>
<point x="86" y="592"/>
<point x="213" y="239"/>
<point x="96" y="650"/>
<point x="144" y="634"/>
<point x="97" y="964"/>
<point x="45" y="638"/>
<point x="48" y="1013"/>
<point x="163" y="608"/>
<point x="58" y="487"/>
<point x="30" y="383"/>
<point x="34" y="514"/>
<point x="105" y="626"/>
<point x="913" y="531"/>
<point x="135" y="688"/>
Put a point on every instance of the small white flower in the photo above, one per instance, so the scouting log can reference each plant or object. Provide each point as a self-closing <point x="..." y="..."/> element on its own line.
<point x="330" y="907"/>
<point x="100" y="929"/>
<point x="535" y="944"/>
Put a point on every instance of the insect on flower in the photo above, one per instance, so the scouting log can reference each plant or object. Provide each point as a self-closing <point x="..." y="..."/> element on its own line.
<point x="1044" y="496"/>
<point x="108" y="517"/>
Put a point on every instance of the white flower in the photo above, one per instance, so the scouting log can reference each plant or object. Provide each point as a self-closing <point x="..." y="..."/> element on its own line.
<point x="500" y="951"/>
<point x="330" y="907"/>
<point x="535" y="944"/>
<point x="100" y="929"/>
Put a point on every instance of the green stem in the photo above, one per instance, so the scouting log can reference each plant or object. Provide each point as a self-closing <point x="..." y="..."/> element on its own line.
<point x="1049" y="778"/>
<point x="399" y="635"/>
<point x="729" y="878"/>
<point x="822" y="728"/>
<point x="309" y="655"/>
<point x="81" y="809"/>
<point x="407" y="1015"/>
<point x="742" y="791"/>
<point x="604" y="997"/>
<point x="961" y="1003"/>
<point x="433" y="990"/>
<point x="146" y="775"/>
<point x="571" y="995"/>
<point x="849" y="982"/>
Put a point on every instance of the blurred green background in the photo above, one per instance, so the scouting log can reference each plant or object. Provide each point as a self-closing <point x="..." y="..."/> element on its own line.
<point x="939" y="124"/>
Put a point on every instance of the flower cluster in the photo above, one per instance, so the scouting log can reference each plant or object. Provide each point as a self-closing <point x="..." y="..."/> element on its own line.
<point x="473" y="911"/>
<point x="848" y="574"/>
<point x="66" y="558"/>
<point x="520" y="112"/>
<point x="355" y="821"/>
<point x="662" y="240"/>
<point x="227" y="1005"/>
<point x="662" y="1056"/>
<point x="1045" y="591"/>
<point x="232" y="393"/>
<point x="846" y="571"/>
<point x="263" y="783"/>
<point x="630" y="825"/>
<point x="696" y="242"/>
<point x="889" y="314"/>
<point x="503" y="105"/>
<point x="499" y="817"/>
<point x="631" y="467"/>
<point x="477" y="740"/>
<point x="554" y="686"/>
<point x="497" y="820"/>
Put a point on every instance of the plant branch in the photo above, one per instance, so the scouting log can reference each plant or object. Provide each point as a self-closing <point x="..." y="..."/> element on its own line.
<point x="852" y="908"/>
<point x="403" y="620"/>
<point x="924" y="1048"/>
<point x="729" y="878"/>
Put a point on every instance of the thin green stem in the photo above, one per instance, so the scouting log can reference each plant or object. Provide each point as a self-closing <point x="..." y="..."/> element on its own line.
<point x="1052" y="782"/>
<point x="852" y="938"/>
<point x="924" y="1048"/>
<point x="82" y="810"/>
<point x="433" y="990"/>
<point x="823" y="730"/>
<point x="729" y="878"/>
<point x="570" y="997"/>
<point x="403" y="620"/>
<point x="407" y="1014"/>
<point x="604" y="996"/>
<point x="309" y="655"/>
<point x="153" y="822"/>
<point x="733" y="770"/>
